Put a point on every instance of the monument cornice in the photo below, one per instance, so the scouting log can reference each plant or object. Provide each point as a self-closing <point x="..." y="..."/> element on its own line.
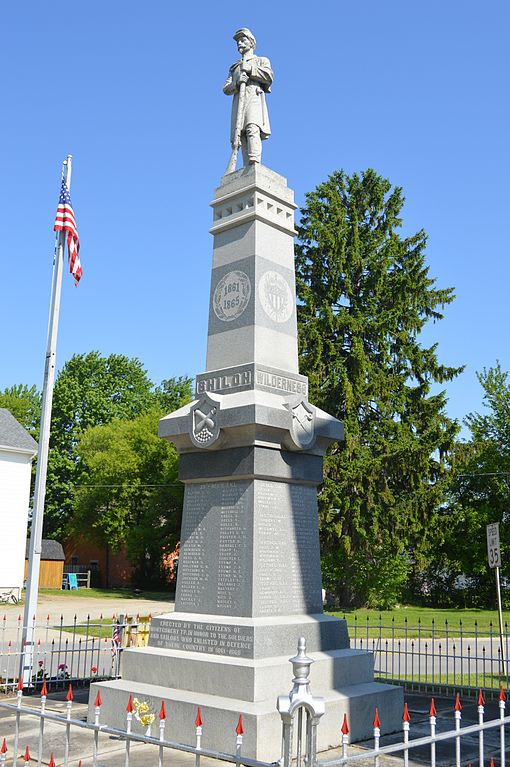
<point x="257" y="187"/>
<point x="251" y="216"/>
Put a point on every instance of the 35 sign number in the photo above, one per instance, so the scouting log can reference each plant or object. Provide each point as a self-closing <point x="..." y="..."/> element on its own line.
<point x="493" y="549"/>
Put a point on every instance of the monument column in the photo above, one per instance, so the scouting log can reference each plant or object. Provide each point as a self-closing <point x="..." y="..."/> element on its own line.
<point x="251" y="444"/>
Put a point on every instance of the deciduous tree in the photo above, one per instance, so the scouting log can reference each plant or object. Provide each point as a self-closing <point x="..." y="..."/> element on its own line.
<point x="89" y="390"/>
<point x="479" y="495"/>
<point x="132" y="496"/>
<point x="24" y="402"/>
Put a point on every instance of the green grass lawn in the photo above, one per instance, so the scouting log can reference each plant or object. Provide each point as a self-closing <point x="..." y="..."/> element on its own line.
<point x="97" y="627"/>
<point x="400" y="622"/>
<point x="405" y="620"/>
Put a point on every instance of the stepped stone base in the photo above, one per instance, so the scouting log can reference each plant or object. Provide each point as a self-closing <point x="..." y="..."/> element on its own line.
<point x="225" y="686"/>
<point x="261" y="721"/>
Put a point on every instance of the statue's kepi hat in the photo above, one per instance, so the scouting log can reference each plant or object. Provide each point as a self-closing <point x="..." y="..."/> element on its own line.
<point x="245" y="32"/>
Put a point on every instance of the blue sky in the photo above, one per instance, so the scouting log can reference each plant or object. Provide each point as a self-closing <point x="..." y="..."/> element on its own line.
<point x="416" y="90"/>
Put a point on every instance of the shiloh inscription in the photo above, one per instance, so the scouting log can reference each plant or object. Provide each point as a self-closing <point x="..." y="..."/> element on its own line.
<point x="251" y="377"/>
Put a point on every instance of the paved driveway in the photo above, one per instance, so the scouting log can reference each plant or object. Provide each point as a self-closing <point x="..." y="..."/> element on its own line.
<point x="68" y="605"/>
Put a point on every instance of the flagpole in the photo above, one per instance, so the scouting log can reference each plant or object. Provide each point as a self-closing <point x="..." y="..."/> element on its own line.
<point x="34" y="557"/>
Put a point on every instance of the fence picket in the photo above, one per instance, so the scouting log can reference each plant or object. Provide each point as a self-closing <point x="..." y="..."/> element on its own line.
<point x="406" y="725"/>
<point x="433" y="720"/>
<point x="377" y="736"/>
<point x="41" y="725"/>
<point x="502" y="703"/>
<point x="162" y="722"/>
<point x="457" y="715"/>
<point x="198" y="735"/>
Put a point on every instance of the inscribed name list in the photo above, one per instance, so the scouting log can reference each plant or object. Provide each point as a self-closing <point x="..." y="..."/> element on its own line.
<point x="214" y="567"/>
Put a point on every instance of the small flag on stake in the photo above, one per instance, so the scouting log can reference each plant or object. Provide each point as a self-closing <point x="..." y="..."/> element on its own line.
<point x="64" y="222"/>
<point x="115" y="640"/>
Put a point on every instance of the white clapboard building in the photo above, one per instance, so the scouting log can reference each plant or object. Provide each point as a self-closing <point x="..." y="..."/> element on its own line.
<point x="17" y="449"/>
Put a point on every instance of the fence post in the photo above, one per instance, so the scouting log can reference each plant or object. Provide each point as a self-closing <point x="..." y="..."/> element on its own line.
<point x="97" y="712"/>
<point x="458" y="714"/>
<point x="69" y="707"/>
<point x="19" y="696"/>
<point x="162" y="722"/>
<point x="198" y="733"/>
<point x="406" y="724"/>
<point x="129" y="720"/>
<point x="481" y="705"/>
<point x="377" y="736"/>
<point x="345" y="737"/>
<point x="299" y="698"/>
<point x="433" y="720"/>
<point x="239" y="738"/>
<point x="502" y="699"/>
<point x="44" y="693"/>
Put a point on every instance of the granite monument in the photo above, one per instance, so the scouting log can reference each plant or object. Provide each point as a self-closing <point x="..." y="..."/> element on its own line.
<point x="251" y="451"/>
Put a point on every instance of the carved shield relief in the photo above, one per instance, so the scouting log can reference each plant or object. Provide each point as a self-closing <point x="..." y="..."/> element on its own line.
<point x="302" y="426"/>
<point x="205" y="422"/>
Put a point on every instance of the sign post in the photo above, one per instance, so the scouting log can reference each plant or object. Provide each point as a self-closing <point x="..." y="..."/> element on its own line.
<point x="494" y="554"/>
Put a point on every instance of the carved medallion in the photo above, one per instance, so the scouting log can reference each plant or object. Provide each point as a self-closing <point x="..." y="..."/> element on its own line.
<point x="205" y="424"/>
<point x="231" y="296"/>
<point x="276" y="297"/>
<point x="302" y="428"/>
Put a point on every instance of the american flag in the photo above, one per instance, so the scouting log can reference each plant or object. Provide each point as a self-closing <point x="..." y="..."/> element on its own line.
<point x="65" y="222"/>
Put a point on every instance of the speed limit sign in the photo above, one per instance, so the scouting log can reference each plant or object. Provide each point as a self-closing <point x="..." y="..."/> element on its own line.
<point x="493" y="549"/>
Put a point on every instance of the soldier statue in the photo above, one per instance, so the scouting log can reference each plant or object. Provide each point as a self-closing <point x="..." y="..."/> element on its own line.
<point x="249" y="79"/>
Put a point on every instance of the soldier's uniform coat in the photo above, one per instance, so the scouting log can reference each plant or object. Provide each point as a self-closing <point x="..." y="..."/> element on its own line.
<point x="258" y="85"/>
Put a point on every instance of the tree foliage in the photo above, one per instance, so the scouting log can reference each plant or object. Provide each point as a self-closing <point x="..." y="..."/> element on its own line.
<point x="364" y="295"/>
<point x="479" y="495"/>
<point x="132" y="496"/>
<point x="174" y="393"/>
<point x="89" y="390"/>
<point x="24" y="403"/>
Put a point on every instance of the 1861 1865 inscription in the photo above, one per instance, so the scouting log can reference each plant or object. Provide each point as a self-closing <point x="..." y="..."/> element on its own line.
<point x="231" y="296"/>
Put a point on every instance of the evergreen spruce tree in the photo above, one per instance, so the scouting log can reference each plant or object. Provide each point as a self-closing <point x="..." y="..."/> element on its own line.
<point x="364" y="295"/>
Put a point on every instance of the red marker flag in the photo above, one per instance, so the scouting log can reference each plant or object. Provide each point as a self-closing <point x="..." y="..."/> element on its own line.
<point x="64" y="222"/>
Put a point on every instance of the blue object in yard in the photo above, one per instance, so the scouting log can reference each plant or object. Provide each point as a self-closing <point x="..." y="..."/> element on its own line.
<point x="72" y="581"/>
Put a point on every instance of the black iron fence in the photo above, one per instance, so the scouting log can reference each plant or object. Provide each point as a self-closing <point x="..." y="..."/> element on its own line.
<point x="76" y="651"/>
<point x="440" y="656"/>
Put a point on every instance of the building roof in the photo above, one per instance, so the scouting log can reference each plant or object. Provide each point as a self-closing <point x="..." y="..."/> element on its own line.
<point x="12" y="434"/>
<point x="49" y="550"/>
